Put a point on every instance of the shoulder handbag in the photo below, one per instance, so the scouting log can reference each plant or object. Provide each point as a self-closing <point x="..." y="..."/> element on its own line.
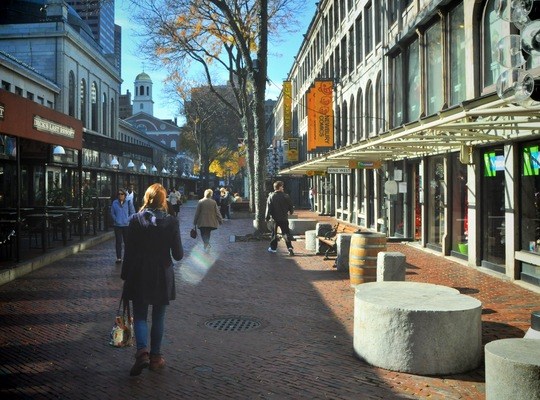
<point x="122" y="334"/>
<point x="193" y="233"/>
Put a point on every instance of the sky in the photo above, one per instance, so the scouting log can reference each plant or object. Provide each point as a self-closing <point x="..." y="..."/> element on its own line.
<point x="280" y="59"/>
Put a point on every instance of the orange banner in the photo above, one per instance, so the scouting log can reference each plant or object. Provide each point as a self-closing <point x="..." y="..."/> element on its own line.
<point x="287" y="110"/>
<point x="320" y="114"/>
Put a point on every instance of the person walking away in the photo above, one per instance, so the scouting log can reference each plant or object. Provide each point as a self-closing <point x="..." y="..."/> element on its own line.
<point x="224" y="205"/>
<point x="278" y="205"/>
<point x="121" y="210"/>
<point x="312" y="196"/>
<point x="148" y="274"/>
<point x="207" y="217"/>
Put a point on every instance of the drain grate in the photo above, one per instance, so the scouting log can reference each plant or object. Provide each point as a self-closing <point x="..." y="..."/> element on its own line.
<point x="233" y="324"/>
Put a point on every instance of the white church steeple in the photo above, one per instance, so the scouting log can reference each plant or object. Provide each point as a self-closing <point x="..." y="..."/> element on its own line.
<point x="142" y="101"/>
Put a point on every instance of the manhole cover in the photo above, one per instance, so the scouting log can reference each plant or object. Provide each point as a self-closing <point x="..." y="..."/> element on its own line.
<point x="233" y="324"/>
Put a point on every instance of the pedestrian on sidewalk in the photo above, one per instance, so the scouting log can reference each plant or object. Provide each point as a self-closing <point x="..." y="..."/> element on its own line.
<point x="312" y="197"/>
<point x="207" y="217"/>
<point x="175" y="200"/>
<point x="148" y="273"/>
<point x="225" y="203"/>
<point x="121" y="211"/>
<point x="278" y="206"/>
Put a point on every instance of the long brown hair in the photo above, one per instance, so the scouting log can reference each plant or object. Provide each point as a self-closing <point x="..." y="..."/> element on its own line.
<point x="155" y="197"/>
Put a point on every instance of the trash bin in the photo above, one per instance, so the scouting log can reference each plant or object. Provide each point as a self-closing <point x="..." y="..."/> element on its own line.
<point x="363" y="256"/>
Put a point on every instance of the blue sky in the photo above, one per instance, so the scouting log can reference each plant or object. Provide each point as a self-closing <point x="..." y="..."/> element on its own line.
<point x="280" y="59"/>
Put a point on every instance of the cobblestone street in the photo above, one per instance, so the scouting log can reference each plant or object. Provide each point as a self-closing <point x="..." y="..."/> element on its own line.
<point x="55" y="322"/>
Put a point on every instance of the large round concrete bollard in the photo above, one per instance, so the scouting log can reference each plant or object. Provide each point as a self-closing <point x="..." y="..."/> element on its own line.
<point x="311" y="240"/>
<point x="343" y="243"/>
<point x="363" y="256"/>
<point x="513" y="369"/>
<point x="299" y="226"/>
<point x="419" y="328"/>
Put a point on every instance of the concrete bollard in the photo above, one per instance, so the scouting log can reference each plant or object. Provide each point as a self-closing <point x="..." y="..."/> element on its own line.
<point x="390" y="266"/>
<point x="343" y="245"/>
<point x="311" y="240"/>
<point x="512" y="369"/>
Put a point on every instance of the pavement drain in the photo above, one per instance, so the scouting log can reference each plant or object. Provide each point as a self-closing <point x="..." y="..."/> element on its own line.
<point x="233" y="324"/>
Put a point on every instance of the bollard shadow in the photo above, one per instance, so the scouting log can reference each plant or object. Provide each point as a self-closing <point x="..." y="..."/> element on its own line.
<point x="466" y="290"/>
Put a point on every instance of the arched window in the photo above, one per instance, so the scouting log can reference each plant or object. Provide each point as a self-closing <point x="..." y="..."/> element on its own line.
<point x="413" y="82"/>
<point x="352" y="122"/>
<point x="148" y="90"/>
<point x="359" y="116"/>
<point x="71" y="94"/>
<point x="104" y="113"/>
<point x="83" y="103"/>
<point x="378" y="106"/>
<point x="141" y="90"/>
<point x="112" y="117"/>
<point x="94" y="106"/>
<point x="344" y="125"/>
<point x="370" y="121"/>
<point x="493" y="29"/>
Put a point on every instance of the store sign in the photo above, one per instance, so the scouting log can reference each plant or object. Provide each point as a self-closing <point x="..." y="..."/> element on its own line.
<point x="332" y="170"/>
<point x="44" y="125"/>
<point x="365" y="164"/>
<point x="2" y="109"/>
<point x="315" y="173"/>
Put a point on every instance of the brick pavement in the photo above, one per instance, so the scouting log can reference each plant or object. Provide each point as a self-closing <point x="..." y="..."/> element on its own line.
<point x="54" y="324"/>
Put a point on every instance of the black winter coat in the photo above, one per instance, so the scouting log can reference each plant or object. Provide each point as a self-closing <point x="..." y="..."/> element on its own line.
<point x="148" y="272"/>
<point x="278" y="205"/>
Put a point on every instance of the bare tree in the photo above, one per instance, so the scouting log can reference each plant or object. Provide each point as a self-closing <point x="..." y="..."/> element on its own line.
<point x="211" y="130"/>
<point x="223" y="38"/>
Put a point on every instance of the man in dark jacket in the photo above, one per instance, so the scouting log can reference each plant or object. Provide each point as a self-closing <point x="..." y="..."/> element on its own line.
<point x="278" y="206"/>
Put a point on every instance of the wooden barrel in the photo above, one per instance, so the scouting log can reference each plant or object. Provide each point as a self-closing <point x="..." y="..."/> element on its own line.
<point x="363" y="256"/>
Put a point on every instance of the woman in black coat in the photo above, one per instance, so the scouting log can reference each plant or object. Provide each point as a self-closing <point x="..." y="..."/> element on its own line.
<point x="148" y="271"/>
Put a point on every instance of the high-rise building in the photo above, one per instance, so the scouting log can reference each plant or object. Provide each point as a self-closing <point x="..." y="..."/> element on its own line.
<point x="99" y="15"/>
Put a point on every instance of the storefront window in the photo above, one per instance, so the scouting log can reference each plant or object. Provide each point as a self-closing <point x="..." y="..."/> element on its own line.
<point x="530" y="197"/>
<point x="460" y="220"/>
<point x="435" y="200"/>
<point x="493" y="224"/>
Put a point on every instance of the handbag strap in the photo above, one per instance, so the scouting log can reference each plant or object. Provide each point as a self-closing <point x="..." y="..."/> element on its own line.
<point x="125" y="307"/>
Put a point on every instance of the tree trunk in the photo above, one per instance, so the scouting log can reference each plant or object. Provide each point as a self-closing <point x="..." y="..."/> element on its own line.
<point x="259" y="77"/>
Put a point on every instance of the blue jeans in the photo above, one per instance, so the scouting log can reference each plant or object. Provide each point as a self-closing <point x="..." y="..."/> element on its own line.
<point x="140" y="325"/>
<point x="120" y="234"/>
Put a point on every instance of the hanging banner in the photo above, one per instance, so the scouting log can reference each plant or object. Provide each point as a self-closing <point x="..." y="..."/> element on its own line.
<point x="287" y="109"/>
<point x="320" y="114"/>
<point x="290" y="148"/>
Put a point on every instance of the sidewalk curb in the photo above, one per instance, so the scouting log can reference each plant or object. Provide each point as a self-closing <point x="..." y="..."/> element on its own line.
<point x="26" y="267"/>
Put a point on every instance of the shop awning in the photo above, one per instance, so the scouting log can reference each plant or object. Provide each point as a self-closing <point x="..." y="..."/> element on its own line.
<point x="25" y="118"/>
<point x="484" y="120"/>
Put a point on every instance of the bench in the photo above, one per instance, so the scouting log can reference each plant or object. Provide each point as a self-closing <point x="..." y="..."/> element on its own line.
<point x="330" y="238"/>
<point x="240" y="206"/>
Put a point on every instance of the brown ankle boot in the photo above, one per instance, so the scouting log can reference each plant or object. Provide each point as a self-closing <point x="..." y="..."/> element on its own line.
<point x="156" y="362"/>
<point x="142" y="361"/>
